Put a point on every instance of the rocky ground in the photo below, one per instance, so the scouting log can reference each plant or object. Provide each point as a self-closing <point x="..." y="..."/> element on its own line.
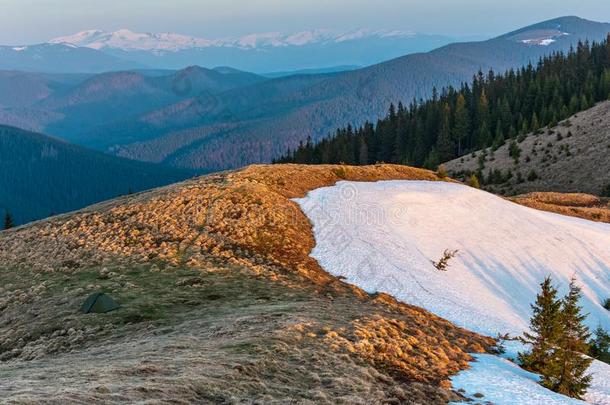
<point x="220" y="303"/>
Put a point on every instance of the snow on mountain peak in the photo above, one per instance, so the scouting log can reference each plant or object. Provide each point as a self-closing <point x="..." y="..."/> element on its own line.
<point x="540" y="37"/>
<point x="128" y="40"/>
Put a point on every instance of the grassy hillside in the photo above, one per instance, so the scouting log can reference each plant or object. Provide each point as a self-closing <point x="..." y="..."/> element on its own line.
<point x="571" y="157"/>
<point x="41" y="176"/>
<point x="220" y="303"/>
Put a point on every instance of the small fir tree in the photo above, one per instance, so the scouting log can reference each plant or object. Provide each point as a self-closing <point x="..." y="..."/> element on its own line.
<point x="545" y="327"/>
<point x="571" y="378"/>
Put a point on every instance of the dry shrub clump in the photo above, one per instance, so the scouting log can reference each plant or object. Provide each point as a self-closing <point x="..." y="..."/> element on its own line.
<point x="245" y="219"/>
<point x="579" y="205"/>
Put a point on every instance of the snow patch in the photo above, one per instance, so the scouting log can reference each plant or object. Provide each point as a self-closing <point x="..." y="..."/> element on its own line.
<point x="384" y="236"/>
<point x="542" y="42"/>
<point x="599" y="392"/>
<point x="545" y="40"/>
<point x="504" y="383"/>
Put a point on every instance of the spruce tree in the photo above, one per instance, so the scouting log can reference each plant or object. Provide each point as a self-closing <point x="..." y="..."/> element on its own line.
<point x="444" y="144"/>
<point x="462" y="122"/>
<point x="571" y="378"/>
<point x="600" y="346"/>
<point x="499" y="138"/>
<point x="545" y="326"/>
<point x="8" y="220"/>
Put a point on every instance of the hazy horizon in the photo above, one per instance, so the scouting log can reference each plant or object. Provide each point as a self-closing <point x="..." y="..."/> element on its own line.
<point x="34" y="21"/>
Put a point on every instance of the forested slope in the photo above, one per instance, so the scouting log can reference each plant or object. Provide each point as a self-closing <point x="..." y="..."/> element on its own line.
<point x="488" y="112"/>
<point x="41" y="176"/>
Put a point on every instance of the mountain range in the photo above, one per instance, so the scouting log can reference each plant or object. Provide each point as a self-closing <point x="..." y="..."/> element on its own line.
<point x="101" y="51"/>
<point x="215" y="119"/>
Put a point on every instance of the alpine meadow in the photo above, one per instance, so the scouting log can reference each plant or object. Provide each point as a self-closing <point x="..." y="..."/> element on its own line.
<point x="305" y="203"/>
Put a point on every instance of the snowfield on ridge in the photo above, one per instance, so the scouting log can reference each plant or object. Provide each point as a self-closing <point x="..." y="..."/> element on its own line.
<point x="383" y="237"/>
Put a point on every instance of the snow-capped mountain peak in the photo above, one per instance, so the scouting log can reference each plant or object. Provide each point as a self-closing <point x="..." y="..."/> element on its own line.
<point x="132" y="41"/>
<point x="128" y="40"/>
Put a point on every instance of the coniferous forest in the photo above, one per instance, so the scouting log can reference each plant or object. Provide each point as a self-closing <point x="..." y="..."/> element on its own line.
<point x="487" y="112"/>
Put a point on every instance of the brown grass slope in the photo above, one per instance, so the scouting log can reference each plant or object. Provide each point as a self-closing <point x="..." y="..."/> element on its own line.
<point x="579" y="205"/>
<point x="220" y="303"/>
<point x="570" y="158"/>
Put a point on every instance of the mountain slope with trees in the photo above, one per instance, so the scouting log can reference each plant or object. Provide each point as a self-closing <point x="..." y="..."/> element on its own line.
<point x="488" y="112"/>
<point x="277" y="121"/>
<point x="42" y="176"/>
<point x="569" y="157"/>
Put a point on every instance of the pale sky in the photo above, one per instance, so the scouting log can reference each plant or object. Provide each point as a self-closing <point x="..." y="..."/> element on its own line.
<point x="33" y="21"/>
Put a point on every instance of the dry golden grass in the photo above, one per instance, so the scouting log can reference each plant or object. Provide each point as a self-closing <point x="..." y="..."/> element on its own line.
<point x="234" y="223"/>
<point x="565" y="199"/>
<point x="578" y="205"/>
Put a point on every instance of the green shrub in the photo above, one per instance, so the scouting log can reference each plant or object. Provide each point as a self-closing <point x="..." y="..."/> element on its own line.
<point x="532" y="175"/>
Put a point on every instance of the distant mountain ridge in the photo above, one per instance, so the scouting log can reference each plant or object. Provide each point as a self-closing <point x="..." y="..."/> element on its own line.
<point x="61" y="58"/>
<point x="258" y="52"/>
<point x="238" y="118"/>
<point x="263" y="52"/>
<point x="127" y="40"/>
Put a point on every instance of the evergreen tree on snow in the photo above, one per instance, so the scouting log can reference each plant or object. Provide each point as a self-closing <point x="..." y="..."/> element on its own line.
<point x="569" y="377"/>
<point x="600" y="345"/>
<point x="545" y="326"/>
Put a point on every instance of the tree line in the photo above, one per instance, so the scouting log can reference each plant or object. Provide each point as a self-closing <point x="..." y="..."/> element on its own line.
<point x="486" y="112"/>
